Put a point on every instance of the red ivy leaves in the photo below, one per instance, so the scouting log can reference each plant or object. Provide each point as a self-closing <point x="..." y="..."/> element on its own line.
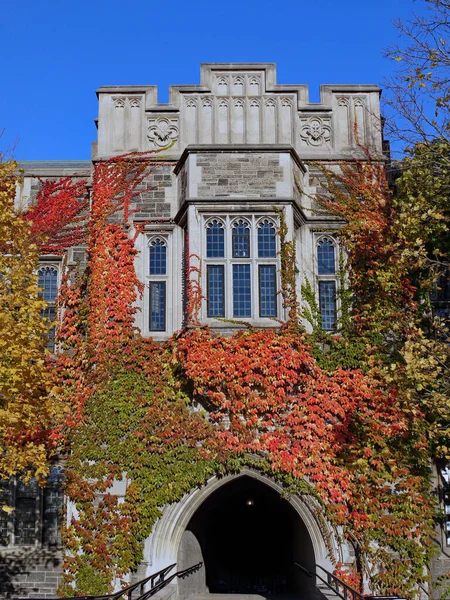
<point x="57" y="218"/>
<point x="264" y="392"/>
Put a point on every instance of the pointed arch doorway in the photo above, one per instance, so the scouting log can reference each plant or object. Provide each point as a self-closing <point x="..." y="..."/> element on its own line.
<point x="203" y="527"/>
<point x="248" y="538"/>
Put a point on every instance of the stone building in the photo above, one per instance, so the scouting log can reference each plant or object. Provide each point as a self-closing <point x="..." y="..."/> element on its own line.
<point x="233" y="151"/>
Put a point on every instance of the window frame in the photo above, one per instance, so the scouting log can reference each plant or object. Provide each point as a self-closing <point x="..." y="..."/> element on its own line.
<point x="327" y="277"/>
<point x="12" y="520"/>
<point x="153" y="285"/>
<point x="253" y="220"/>
<point x="151" y="236"/>
<point x="209" y="267"/>
<point x="51" y="305"/>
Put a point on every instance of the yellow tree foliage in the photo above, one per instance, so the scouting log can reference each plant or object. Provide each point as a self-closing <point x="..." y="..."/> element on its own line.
<point x="25" y="408"/>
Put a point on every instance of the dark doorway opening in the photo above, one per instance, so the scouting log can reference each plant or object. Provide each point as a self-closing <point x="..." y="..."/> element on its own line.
<point x="249" y="538"/>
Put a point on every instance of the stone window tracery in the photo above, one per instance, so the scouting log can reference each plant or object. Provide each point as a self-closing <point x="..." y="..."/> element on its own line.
<point x="215" y="239"/>
<point x="157" y="284"/>
<point x="241" y="268"/>
<point x="48" y="283"/>
<point x="327" y="284"/>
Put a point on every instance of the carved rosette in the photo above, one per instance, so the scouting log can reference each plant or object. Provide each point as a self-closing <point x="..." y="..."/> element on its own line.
<point x="315" y="131"/>
<point x="162" y="131"/>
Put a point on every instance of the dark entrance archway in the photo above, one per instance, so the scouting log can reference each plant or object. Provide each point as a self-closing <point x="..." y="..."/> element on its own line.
<point x="248" y="538"/>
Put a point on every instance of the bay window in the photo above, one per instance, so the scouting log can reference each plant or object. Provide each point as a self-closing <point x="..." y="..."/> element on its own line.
<point x="242" y="279"/>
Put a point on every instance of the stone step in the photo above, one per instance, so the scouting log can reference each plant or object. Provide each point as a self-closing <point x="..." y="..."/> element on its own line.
<point x="329" y="594"/>
<point x="229" y="597"/>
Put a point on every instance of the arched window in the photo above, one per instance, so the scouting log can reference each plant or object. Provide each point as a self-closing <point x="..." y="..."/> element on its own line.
<point x="326" y="259"/>
<point x="267" y="247"/>
<point x="158" y="257"/>
<point x="241" y="239"/>
<point x="158" y="286"/>
<point x="326" y="271"/>
<point x="241" y="267"/>
<point x="215" y="239"/>
<point x="48" y="282"/>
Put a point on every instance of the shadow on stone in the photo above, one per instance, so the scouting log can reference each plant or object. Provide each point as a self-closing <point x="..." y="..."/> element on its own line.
<point x="29" y="572"/>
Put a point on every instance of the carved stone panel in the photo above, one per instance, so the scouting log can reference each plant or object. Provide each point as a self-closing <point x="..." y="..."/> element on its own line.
<point x="315" y="131"/>
<point x="162" y="131"/>
<point x="126" y="123"/>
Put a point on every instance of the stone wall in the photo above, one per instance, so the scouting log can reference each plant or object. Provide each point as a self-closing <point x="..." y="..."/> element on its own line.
<point x="156" y="198"/>
<point x="239" y="175"/>
<point x="439" y="566"/>
<point x="29" y="572"/>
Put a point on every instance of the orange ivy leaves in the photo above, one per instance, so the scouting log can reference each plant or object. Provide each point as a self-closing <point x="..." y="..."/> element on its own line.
<point x="379" y="259"/>
<point x="98" y="306"/>
<point x="278" y="401"/>
<point x="113" y="283"/>
<point x="357" y="445"/>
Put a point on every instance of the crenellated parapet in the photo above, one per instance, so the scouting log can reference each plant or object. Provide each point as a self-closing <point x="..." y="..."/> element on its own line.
<point x="240" y="104"/>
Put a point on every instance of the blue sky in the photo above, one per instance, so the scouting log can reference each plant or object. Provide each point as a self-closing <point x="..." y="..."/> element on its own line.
<point x="56" y="53"/>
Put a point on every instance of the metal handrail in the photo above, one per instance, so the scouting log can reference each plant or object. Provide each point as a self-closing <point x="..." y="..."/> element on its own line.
<point x="155" y="586"/>
<point x="337" y="586"/>
<point x="128" y="591"/>
<point x="159" y="586"/>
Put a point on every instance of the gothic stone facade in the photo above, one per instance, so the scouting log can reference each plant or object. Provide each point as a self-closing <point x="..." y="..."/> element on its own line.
<point x="232" y="151"/>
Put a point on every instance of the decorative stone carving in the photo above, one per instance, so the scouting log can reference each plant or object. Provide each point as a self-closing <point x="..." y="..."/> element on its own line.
<point x="239" y="104"/>
<point x="271" y="102"/>
<point x="342" y="101"/>
<point x="162" y="131"/>
<point x="254" y="82"/>
<point x="315" y="131"/>
<point x="286" y="102"/>
<point x="135" y="102"/>
<point x="191" y="102"/>
<point x="207" y="102"/>
<point x="222" y="86"/>
<point x="223" y="103"/>
<point x="119" y="102"/>
<point x="359" y="102"/>
<point x="254" y="103"/>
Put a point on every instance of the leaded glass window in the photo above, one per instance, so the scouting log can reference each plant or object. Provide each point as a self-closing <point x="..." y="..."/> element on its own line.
<point x="52" y="506"/>
<point x="216" y="291"/>
<point x="241" y="239"/>
<point x="327" y="304"/>
<point x="36" y="511"/>
<point x="267" y="247"/>
<point x="26" y="508"/>
<point x="157" y="306"/>
<point x="158" y="257"/>
<point x="267" y="291"/>
<point x="215" y="240"/>
<point x="326" y="260"/>
<point x="242" y="296"/>
<point x="48" y="282"/>
<point x="242" y="274"/>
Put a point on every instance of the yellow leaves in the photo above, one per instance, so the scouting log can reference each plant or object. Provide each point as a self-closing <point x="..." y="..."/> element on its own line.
<point x="25" y="412"/>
